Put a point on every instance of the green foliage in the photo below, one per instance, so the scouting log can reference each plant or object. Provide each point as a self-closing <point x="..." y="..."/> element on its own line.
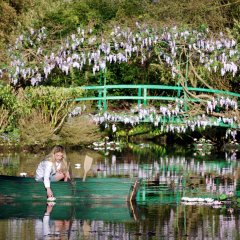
<point x="139" y="129"/>
<point x="223" y="197"/>
<point x="66" y="17"/>
<point x="54" y="103"/>
<point x="8" y="18"/>
<point x="10" y="12"/>
<point x="104" y="9"/>
<point x="159" y="74"/>
<point x="9" y="108"/>
<point x="235" y="30"/>
<point x="9" y="170"/>
<point x="8" y="98"/>
<point x="134" y="7"/>
<point x="146" y="150"/>
<point x="133" y="131"/>
<point x="36" y="129"/>
<point x="20" y="6"/>
<point x="38" y="112"/>
<point x="125" y="73"/>
<point x="79" y="131"/>
<point x="76" y="78"/>
<point x="230" y="9"/>
<point x="46" y="110"/>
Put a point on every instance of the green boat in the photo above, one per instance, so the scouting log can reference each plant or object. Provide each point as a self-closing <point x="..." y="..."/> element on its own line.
<point x="107" y="190"/>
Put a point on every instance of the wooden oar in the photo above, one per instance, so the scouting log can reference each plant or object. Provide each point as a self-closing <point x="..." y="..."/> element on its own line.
<point x="72" y="181"/>
<point x="87" y="166"/>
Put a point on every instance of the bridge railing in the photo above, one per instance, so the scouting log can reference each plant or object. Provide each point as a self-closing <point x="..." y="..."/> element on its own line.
<point x="143" y="97"/>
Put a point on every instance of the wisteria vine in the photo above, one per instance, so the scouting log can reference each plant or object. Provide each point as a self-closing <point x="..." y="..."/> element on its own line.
<point x="32" y="61"/>
<point x="170" y="118"/>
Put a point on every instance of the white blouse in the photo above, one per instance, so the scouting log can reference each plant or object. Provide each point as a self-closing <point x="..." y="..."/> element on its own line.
<point x="44" y="170"/>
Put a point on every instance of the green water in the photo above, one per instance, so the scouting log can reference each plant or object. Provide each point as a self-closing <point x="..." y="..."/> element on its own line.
<point x="158" y="213"/>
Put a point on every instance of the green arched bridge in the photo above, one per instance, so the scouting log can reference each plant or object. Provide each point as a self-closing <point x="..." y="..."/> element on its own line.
<point x="142" y="94"/>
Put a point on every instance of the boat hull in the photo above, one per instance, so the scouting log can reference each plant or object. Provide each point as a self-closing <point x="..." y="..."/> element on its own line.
<point x="14" y="188"/>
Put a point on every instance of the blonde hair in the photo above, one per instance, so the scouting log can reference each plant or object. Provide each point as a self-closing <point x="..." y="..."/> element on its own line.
<point x="50" y="157"/>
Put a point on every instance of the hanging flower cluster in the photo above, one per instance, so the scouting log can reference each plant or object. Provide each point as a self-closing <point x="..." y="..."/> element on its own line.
<point x="224" y="102"/>
<point x="21" y="66"/>
<point x="77" y="111"/>
<point x="231" y="133"/>
<point x="217" y="54"/>
<point x="32" y="60"/>
<point x="170" y="118"/>
<point x="140" y="113"/>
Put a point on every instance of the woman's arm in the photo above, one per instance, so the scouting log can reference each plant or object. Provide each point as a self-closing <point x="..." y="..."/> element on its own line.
<point x="49" y="192"/>
<point x="47" y="172"/>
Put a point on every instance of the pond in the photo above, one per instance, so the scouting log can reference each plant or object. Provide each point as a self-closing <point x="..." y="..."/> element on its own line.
<point x="167" y="175"/>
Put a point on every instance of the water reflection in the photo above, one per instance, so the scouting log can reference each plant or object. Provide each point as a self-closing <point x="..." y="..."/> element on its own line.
<point x="191" y="222"/>
<point x="61" y="220"/>
<point x="156" y="222"/>
<point x="47" y="228"/>
<point x="159" y="213"/>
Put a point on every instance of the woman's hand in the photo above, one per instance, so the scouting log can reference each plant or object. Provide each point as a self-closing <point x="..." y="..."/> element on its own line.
<point x="49" y="193"/>
<point x="68" y="176"/>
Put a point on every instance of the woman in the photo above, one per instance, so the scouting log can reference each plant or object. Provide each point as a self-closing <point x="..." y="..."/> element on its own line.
<point x="53" y="168"/>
